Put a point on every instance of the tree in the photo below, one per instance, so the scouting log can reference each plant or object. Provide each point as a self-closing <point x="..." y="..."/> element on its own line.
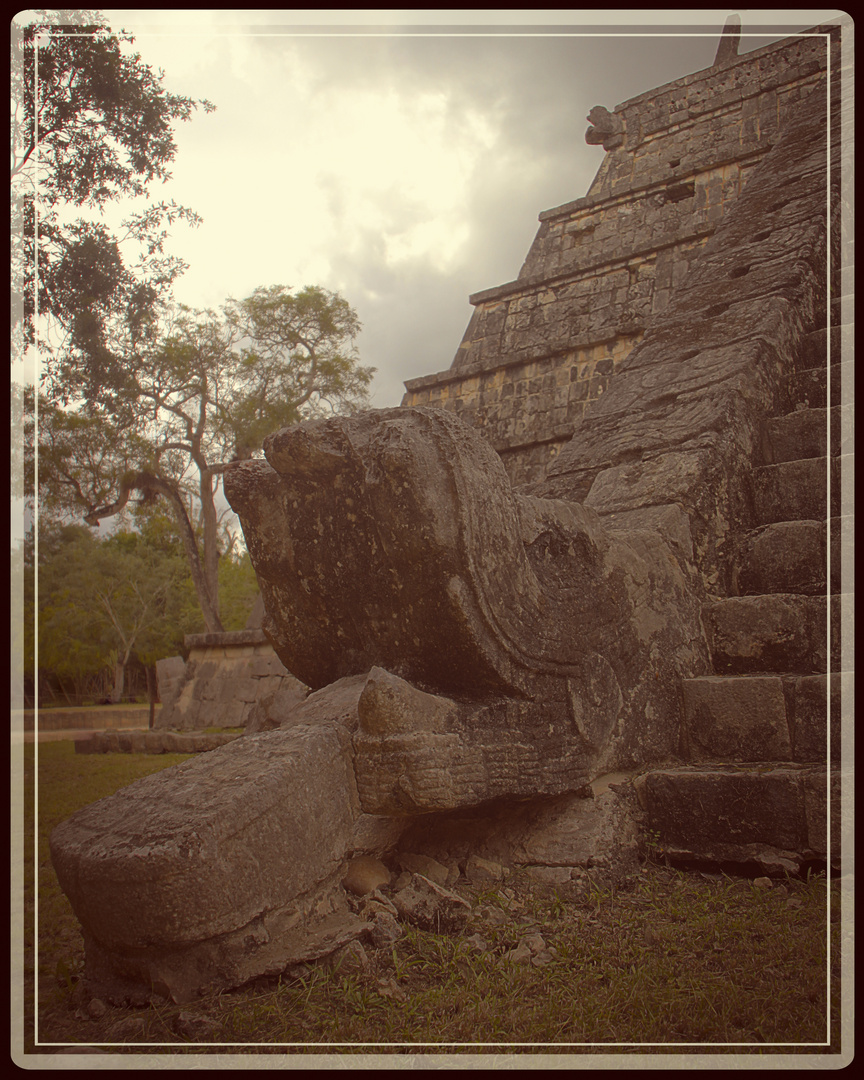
<point x="238" y="588"/>
<point x="101" y="602"/>
<point x="80" y="454"/>
<point x="22" y="649"/>
<point x="169" y="404"/>
<point x="90" y="126"/>
<point x="297" y="359"/>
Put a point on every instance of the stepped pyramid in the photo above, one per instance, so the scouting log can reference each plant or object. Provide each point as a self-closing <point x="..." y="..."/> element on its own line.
<point x="674" y="355"/>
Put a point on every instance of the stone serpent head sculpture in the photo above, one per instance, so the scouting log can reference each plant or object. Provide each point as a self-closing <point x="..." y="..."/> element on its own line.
<point x="464" y="644"/>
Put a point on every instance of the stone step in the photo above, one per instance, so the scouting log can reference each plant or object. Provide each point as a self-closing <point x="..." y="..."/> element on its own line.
<point x="843" y="554"/>
<point x="763" y="717"/>
<point x="795" y="491"/>
<point x="784" y="632"/>
<point x="805" y="433"/>
<point x="842" y="490"/>
<point x="822" y="345"/>
<point x="814" y="710"/>
<point x="810" y="387"/>
<point x="790" y="557"/>
<point x="772" y="815"/>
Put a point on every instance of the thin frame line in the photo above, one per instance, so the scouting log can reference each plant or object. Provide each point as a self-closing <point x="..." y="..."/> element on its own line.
<point x="566" y="34"/>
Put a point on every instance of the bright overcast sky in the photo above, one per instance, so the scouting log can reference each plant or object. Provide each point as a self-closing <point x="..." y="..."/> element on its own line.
<point x="403" y="162"/>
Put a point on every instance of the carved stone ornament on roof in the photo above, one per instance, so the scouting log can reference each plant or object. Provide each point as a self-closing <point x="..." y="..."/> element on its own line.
<point x="607" y="129"/>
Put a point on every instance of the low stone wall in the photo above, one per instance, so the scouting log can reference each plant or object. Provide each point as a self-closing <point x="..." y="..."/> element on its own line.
<point x="95" y="719"/>
<point x="152" y="742"/>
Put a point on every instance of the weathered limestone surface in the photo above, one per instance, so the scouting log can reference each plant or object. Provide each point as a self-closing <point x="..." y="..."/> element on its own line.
<point x="596" y="827"/>
<point x="153" y="742"/>
<point x="684" y="420"/>
<point x="738" y="718"/>
<point x="528" y="647"/>
<point x="225" y="867"/>
<point x="780" y="632"/>
<point x="170" y="676"/>
<point x="541" y="651"/>
<point x="793" y="490"/>
<point x="803" y="434"/>
<point x="770" y="816"/>
<point x="816" y="705"/>
<point x="787" y="556"/>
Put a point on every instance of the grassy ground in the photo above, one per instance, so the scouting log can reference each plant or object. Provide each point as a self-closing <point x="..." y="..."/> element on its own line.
<point x="674" y="957"/>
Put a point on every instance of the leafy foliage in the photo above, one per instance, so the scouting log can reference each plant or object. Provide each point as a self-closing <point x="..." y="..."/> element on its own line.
<point x="297" y="360"/>
<point x="79" y="452"/>
<point x="168" y="404"/>
<point x="139" y="396"/>
<point x="90" y="125"/>
<point x="103" y="601"/>
<point x="238" y="589"/>
<point x="128" y="596"/>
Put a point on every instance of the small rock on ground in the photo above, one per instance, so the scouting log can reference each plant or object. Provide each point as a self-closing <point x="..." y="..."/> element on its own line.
<point x="385" y="930"/>
<point x="430" y="906"/>
<point x="351" y="957"/>
<point x="428" y="867"/>
<point x="520" y="955"/>
<point x="478" y="870"/>
<point x="365" y="874"/>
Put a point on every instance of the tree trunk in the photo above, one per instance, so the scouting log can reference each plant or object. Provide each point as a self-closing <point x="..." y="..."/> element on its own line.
<point x="64" y="691"/>
<point x="149" y="483"/>
<point x="152" y="690"/>
<point x="211" y="538"/>
<point x="119" y="672"/>
<point x="209" y="609"/>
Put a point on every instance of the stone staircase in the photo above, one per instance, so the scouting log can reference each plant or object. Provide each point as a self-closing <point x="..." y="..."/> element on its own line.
<point x="762" y="733"/>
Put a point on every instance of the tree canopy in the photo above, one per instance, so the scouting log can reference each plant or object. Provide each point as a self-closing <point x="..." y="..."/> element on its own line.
<point x="168" y="404"/>
<point x="90" y="125"/>
<point x="104" y="602"/>
<point x="140" y="396"/>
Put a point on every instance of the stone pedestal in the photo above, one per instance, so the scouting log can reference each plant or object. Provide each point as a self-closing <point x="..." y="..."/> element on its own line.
<point x="228" y="680"/>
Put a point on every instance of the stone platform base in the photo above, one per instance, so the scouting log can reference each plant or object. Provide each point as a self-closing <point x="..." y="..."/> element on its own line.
<point x="153" y="742"/>
<point x="230" y="680"/>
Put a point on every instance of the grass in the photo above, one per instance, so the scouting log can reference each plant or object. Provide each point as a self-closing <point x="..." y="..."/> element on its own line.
<point x="672" y="957"/>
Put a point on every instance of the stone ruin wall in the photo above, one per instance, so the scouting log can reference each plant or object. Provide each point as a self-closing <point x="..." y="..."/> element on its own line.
<point x="230" y="680"/>
<point x="539" y="349"/>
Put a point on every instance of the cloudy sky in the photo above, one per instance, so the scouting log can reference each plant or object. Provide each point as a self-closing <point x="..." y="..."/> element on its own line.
<point x="402" y="162"/>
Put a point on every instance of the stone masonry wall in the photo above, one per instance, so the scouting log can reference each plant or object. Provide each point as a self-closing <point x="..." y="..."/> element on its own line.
<point x="539" y="349"/>
<point x="225" y="678"/>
